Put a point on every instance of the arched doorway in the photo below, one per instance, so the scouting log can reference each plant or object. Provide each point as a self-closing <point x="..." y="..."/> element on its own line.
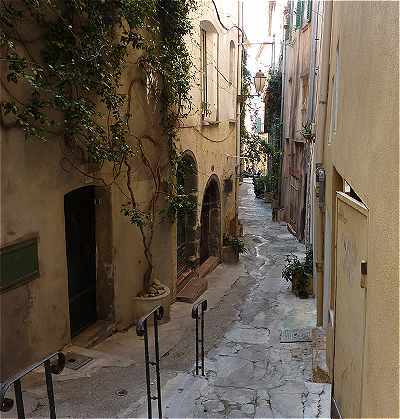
<point x="210" y="221"/>
<point x="186" y="247"/>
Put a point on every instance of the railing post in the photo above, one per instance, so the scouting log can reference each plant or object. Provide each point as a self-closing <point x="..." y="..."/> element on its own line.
<point x="19" y="400"/>
<point x="142" y="330"/>
<point x="50" y="391"/>
<point x="202" y="305"/>
<point x="6" y="404"/>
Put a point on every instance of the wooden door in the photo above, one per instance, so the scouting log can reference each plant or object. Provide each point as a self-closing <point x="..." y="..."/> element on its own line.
<point x="81" y="257"/>
<point x="351" y="250"/>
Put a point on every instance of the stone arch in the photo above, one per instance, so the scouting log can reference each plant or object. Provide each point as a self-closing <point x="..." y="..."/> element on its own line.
<point x="186" y="240"/>
<point x="210" y="220"/>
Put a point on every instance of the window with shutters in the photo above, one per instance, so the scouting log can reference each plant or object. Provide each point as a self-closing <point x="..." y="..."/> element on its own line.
<point x="309" y="10"/>
<point x="209" y="64"/>
<point x="299" y="14"/>
<point x="204" y="67"/>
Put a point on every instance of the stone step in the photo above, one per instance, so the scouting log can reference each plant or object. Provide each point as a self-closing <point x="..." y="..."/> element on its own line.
<point x="192" y="290"/>
<point x="184" y="278"/>
<point x="320" y="369"/>
<point x="208" y="266"/>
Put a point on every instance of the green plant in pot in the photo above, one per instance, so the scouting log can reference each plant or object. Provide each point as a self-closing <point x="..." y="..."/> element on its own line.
<point x="232" y="247"/>
<point x="236" y="243"/>
<point x="294" y="272"/>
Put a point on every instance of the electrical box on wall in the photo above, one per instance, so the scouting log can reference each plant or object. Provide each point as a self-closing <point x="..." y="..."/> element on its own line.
<point x="320" y="179"/>
<point x="228" y="185"/>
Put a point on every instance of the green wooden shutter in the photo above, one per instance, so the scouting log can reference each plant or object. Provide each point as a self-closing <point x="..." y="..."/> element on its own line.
<point x="309" y="10"/>
<point x="299" y="14"/>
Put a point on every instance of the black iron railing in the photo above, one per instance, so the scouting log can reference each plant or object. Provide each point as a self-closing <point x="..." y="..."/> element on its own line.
<point x="53" y="364"/>
<point x="202" y="307"/>
<point x="142" y="330"/>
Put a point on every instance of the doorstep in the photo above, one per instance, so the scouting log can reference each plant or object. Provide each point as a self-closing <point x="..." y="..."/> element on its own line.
<point x="208" y="266"/>
<point x="94" y="334"/>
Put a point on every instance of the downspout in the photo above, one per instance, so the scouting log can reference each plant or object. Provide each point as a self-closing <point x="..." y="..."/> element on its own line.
<point x="319" y="232"/>
<point x="238" y="105"/>
<point x="309" y="201"/>
<point x="281" y="119"/>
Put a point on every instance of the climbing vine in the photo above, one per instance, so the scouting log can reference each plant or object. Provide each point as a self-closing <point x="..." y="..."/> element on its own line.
<point x="273" y="127"/>
<point x="66" y="65"/>
<point x="245" y="136"/>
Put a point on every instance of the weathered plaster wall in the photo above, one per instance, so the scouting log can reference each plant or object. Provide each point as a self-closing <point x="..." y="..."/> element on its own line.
<point x="213" y="144"/>
<point x="295" y="152"/>
<point x="365" y="153"/>
<point x="35" y="177"/>
<point x="35" y="316"/>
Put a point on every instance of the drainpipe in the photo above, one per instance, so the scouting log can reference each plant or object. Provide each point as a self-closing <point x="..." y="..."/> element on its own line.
<point x="309" y="231"/>
<point x="319" y="231"/>
<point x="239" y="59"/>
<point x="281" y="119"/>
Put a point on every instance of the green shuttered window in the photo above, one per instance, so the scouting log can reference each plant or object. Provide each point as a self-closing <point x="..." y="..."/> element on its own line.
<point x="309" y="10"/>
<point x="19" y="263"/>
<point x="299" y="14"/>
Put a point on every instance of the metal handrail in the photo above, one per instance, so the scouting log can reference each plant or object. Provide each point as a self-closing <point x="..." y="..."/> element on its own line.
<point x="202" y="304"/>
<point x="6" y="404"/>
<point x="141" y="330"/>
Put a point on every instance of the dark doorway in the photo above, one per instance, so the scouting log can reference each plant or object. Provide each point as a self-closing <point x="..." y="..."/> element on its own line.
<point x="80" y="239"/>
<point x="186" y="248"/>
<point x="210" y="222"/>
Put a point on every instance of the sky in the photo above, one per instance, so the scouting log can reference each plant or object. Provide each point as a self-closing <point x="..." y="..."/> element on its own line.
<point x="255" y="26"/>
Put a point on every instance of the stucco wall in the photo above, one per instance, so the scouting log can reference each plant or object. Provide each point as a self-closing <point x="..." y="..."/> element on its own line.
<point x="365" y="153"/>
<point x="35" y="178"/>
<point x="213" y="145"/>
<point x="295" y="151"/>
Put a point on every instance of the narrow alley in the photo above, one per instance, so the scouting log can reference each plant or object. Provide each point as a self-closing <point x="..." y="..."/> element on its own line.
<point x="249" y="372"/>
<point x="240" y="156"/>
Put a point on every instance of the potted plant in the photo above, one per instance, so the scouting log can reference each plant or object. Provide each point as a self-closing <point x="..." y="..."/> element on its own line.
<point x="154" y="292"/>
<point x="308" y="270"/>
<point x="259" y="186"/>
<point x="294" y="272"/>
<point x="232" y="248"/>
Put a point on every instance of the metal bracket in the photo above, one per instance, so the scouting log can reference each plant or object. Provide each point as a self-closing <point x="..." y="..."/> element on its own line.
<point x="364" y="271"/>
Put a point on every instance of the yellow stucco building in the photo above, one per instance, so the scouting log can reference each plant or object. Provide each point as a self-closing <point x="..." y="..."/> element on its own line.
<point x="52" y="214"/>
<point x="356" y="205"/>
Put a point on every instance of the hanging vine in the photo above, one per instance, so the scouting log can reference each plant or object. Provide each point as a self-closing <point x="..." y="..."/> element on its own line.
<point x="68" y="81"/>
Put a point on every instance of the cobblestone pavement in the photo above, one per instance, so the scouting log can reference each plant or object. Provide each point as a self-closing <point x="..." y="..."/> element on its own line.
<point x="249" y="373"/>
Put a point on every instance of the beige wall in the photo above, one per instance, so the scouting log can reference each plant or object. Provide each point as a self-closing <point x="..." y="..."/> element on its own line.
<point x="35" y="177"/>
<point x="212" y="140"/>
<point x="365" y="152"/>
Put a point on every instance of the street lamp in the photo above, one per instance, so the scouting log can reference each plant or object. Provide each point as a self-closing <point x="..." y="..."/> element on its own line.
<point x="259" y="81"/>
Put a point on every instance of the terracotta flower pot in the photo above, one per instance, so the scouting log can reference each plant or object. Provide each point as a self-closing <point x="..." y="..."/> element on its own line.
<point x="229" y="255"/>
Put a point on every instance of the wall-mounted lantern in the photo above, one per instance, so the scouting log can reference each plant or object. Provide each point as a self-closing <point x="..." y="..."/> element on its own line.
<point x="259" y="81"/>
